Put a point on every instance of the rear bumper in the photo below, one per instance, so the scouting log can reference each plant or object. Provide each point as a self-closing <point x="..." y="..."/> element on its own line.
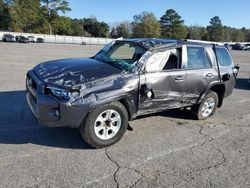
<point x="52" y="112"/>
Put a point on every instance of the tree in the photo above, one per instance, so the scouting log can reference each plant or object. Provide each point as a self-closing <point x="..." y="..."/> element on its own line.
<point x="95" y="28"/>
<point x="77" y="27"/>
<point x="4" y="15"/>
<point x="52" y="8"/>
<point x="197" y="33"/>
<point x="24" y="15"/>
<point x="215" y="29"/>
<point x="113" y="33"/>
<point x="62" y="26"/>
<point x="124" y="30"/>
<point x="146" y="25"/>
<point x="172" y="26"/>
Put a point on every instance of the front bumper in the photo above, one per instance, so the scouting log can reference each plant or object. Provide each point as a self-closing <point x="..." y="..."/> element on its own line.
<point x="49" y="110"/>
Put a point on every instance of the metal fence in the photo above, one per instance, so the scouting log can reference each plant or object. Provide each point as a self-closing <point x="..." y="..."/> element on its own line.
<point x="59" y="39"/>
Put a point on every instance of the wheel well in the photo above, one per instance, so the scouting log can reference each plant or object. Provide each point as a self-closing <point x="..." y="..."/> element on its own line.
<point x="124" y="102"/>
<point x="220" y="90"/>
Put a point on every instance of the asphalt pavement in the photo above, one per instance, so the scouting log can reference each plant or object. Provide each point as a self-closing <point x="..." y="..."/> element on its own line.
<point x="168" y="149"/>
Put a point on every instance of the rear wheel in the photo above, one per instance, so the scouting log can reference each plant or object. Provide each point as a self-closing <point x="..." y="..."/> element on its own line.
<point x="207" y="107"/>
<point x="105" y="125"/>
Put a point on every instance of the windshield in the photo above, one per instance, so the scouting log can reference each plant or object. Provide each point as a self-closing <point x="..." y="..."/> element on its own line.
<point x="120" y="54"/>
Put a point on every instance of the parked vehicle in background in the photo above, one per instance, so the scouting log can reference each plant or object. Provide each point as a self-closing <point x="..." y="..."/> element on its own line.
<point x="243" y="47"/>
<point x="247" y="46"/>
<point x="126" y="79"/>
<point x="17" y="37"/>
<point x="22" y="39"/>
<point x="31" y="38"/>
<point x="8" y="38"/>
<point x="228" y="46"/>
<point x="39" y="40"/>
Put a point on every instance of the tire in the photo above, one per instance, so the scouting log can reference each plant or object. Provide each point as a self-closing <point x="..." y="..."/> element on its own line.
<point x="207" y="107"/>
<point x="99" y="130"/>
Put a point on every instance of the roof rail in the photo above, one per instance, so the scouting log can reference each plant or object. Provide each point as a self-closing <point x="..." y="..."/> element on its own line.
<point x="204" y="42"/>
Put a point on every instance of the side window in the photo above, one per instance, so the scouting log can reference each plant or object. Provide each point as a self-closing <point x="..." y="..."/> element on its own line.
<point x="223" y="57"/>
<point x="197" y="58"/>
<point x="164" y="60"/>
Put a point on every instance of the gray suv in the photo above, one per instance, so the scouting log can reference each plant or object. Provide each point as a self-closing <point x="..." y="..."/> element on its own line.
<point x="126" y="79"/>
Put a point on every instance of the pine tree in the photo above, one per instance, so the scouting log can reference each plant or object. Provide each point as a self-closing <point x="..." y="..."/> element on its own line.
<point x="172" y="26"/>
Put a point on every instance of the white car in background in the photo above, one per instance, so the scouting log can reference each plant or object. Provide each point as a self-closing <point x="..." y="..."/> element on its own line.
<point x="8" y="38"/>
<point x="31" y="38"/>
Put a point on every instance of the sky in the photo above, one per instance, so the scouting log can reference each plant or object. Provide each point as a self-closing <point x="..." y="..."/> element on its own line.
<point x="234" y="13"/>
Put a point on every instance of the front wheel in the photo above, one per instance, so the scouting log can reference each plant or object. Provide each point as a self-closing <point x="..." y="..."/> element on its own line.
<point x="207" y="107"/>
<point x="105" y="125"/>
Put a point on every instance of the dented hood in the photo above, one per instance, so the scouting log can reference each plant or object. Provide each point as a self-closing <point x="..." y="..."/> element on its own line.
<point x="68" y="73"/>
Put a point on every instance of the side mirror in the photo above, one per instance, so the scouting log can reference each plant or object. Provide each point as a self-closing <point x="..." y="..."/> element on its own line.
<point x="226" y="77"/>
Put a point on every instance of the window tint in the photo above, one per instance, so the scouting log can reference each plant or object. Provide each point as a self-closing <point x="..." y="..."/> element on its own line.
<point x="197" y="58"/>
<point x="223" y="57"/>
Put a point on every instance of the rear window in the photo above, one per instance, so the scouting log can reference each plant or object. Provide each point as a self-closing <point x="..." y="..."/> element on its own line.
<point x="223" y="57"/>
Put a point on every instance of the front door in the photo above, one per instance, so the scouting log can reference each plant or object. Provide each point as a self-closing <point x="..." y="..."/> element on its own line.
<point x="163" y="83"/>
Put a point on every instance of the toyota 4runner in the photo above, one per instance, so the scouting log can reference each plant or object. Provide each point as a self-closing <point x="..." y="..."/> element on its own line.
<point x="126" y="79"/>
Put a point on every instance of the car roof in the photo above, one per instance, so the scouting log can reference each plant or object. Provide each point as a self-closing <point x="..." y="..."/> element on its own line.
<point x="149" y="43"/>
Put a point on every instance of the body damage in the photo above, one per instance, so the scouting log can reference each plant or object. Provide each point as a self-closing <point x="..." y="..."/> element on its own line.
<point x="98" y="85"/>
<point x="72" y="73"/>
<point x="93" y="82"/>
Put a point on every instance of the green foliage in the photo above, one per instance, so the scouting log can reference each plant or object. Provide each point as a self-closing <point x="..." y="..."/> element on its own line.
<point x="215" y="29"/>
<point x="146" y="25"/>
<point x="113" y="33"/>
<point x="197" y="33"/>
<point x="62" y="26"/>
<point x="77" y="27"/>
<point x="24" y="15"/>
<point x="4" y="15"/>
<point x="52" y="7"/>
<point x="124" y="30"/>
<point x="42" y="16"/>
<point x="95" y="28"/>
<point x="172" y="26"/>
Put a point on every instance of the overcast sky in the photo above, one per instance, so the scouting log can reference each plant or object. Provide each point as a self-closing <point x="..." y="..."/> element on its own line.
<point x="234" y="13"/>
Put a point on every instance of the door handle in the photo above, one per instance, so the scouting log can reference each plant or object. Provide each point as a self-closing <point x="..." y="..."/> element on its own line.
<point x="179" y="78"/>
<point x="209" y="75"/>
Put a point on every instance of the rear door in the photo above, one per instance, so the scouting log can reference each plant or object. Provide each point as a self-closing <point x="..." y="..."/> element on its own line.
<point x="226" y="67"/>
<point x="200" y="73"/>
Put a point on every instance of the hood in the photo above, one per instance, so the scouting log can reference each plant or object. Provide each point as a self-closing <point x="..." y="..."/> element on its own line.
<point x="69" y="73"/>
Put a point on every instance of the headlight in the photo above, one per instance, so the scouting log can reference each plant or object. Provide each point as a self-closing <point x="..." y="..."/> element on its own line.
<point x="63" y="94"/>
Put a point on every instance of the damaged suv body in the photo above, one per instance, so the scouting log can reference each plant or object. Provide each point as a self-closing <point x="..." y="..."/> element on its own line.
<point x="126" y="79"/>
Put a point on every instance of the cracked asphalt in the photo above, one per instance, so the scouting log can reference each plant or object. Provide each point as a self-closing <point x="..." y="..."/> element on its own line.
<point x="167" y="149"/>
